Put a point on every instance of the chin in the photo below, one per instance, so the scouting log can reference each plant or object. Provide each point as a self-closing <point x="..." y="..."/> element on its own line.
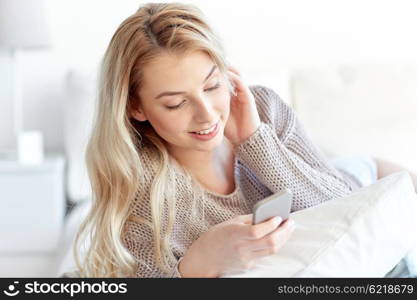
<point x="208" y="146"/>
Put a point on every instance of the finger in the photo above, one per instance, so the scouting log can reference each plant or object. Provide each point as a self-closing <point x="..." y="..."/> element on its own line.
<point x="234" y="70"/>
<point x="261" y="253"/>
<point x="258" y="231"/>
<point x="270" y="250"/>
<point x="245" y="219"/>
<point x="238" y="83"/>
<point x="276" y="239"/>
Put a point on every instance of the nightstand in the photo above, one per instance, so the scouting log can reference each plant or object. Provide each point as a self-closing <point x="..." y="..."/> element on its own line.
<point x="32" y="209"/>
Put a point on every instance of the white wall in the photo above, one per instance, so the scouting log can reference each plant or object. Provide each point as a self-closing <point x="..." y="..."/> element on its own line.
<point x="259" y="36"/>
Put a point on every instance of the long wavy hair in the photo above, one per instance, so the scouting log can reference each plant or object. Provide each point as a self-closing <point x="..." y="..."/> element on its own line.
<point x="113" y="159"/>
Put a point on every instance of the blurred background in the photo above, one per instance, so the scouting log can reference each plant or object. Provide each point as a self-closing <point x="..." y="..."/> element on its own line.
<point x="348" y="68"/>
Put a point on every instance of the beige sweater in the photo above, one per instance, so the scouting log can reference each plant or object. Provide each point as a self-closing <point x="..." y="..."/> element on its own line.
<point x="278" y="155"/>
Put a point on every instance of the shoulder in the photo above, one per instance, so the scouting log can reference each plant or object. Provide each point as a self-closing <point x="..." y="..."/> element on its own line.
<point x="273" y="110"/>
<point x="154" y="172"/>
<point x="268" y="100"/>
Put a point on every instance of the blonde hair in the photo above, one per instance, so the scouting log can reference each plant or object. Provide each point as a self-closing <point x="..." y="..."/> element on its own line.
<point x="113" y="156"/>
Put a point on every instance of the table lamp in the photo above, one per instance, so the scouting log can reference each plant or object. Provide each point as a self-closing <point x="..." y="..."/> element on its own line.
<point x="23" y="26"/>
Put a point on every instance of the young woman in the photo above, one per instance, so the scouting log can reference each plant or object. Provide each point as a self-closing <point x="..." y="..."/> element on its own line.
<point x="182" y="149"/>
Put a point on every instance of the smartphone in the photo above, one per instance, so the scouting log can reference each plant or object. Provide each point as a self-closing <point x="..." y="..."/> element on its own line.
<point x="278" y="204"/>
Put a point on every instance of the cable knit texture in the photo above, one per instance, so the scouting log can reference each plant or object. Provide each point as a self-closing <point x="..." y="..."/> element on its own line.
<point x="278" y="155"/>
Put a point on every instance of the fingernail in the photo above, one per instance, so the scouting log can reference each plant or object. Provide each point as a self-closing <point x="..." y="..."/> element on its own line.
<point x="278" y="220"/>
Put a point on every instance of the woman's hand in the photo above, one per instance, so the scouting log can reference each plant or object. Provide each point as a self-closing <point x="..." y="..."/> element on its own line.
<point x="244" y="118"/>
<point x="234" y="245"/>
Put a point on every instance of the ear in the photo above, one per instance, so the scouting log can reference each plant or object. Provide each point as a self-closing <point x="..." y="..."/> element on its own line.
<point x="138" y="114"/>
<point x="135" y="110"/>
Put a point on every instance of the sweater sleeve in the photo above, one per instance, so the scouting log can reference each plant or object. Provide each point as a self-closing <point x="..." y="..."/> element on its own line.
<point x="138" y="241"/>
<point x="281" y="155"/>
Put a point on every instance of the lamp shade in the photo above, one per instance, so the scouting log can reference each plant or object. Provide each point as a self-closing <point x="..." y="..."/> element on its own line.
<point x="23" y="24"/>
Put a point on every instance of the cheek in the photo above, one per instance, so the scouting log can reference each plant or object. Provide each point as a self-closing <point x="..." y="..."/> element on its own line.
<point x="166" y="123"/>
<point x="224" y="102"/>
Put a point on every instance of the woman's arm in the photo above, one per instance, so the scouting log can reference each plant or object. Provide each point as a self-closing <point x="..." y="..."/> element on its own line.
<point x="386" y="167"/>
<point x="232" y="245"/>
<point x="282" y="155"/>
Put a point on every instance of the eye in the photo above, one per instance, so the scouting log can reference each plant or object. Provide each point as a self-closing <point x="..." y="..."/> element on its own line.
<point x="214" y="87"/>
<point x="208" y="90"/>
<point x="176" y="106"/>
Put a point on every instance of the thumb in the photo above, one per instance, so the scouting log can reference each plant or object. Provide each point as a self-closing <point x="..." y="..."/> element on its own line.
<point x="245" y="219"/>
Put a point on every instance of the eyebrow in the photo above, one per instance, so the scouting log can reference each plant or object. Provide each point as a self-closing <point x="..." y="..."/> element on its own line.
<point x="178" y="93"/>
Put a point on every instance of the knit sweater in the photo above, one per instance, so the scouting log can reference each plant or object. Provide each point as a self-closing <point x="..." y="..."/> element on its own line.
<point x="278" y="155"/>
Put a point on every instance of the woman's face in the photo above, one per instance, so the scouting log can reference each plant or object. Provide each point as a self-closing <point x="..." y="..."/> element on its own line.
<point x="183" y="95"/>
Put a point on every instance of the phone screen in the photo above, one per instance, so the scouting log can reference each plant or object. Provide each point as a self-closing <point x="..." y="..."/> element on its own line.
<point x="278" y="204"/>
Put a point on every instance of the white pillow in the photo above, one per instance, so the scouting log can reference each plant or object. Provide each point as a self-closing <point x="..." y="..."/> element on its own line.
<point x="364" y="234"/>
<point x="359" y="103"/>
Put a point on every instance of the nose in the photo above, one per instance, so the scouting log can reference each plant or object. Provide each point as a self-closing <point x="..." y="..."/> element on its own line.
<point x="204" y="112"/>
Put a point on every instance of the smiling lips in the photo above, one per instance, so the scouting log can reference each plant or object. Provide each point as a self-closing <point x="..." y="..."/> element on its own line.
<point x="206" y="131"/>
<point x="208" y="135"/>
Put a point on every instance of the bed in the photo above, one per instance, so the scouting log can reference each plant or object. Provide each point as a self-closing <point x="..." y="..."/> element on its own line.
<point x="327" y="100"/>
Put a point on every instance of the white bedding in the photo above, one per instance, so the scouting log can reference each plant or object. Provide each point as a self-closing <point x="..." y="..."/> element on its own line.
<point x="364" y="234"/>
<point x="380" y="216"/>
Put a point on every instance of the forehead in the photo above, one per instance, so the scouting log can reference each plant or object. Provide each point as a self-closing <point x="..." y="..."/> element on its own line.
<point x="173" y="71"/>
